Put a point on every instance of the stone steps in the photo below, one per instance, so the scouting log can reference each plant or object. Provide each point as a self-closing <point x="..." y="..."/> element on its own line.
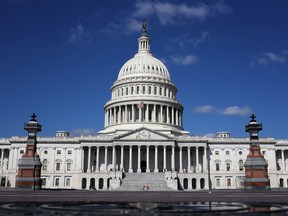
<point x="136" y="181"/>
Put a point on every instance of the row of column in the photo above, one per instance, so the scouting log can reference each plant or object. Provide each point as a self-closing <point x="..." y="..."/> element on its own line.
<point x="147" y="159"/>
<point x="143" y="113"/>
<point x="143" y="90"/>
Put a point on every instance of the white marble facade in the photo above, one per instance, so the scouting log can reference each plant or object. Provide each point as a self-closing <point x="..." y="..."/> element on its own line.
<point x="143" y="135"/>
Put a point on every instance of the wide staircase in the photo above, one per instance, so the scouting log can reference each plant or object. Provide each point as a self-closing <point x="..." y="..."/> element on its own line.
<point x="136" y="181"/>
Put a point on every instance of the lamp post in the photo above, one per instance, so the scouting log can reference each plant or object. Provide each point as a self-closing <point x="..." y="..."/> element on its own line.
<point x="256" y="174"/>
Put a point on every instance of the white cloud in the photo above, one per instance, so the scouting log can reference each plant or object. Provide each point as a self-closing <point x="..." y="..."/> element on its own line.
<point x="185" y="39"/>
<point x="236" y="110"/>
<point x="133" y="25"/>
<point x="111" y="28"/>
<point x="204" y="109"/>
<point x="169" y="13"/>
<point x="79" y="35"/>
<point x="267" y="58"/>
<point x="232" y="110"/>
<point x="83" y="131"/>
<point x="184" y="60"/>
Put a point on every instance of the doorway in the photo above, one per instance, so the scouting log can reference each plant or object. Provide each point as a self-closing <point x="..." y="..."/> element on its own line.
<point x="143" y="166"/>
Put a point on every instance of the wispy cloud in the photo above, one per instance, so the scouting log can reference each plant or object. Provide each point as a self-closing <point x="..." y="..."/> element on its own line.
<point x="184" y="60"/>
<point x="83" y="131"/>
<point x="236" y="110"/>
<point x="169" y="13"/>
<point x="185" y="39"/>
<point x="229" y="111"/>
<point x="78" y="34"/>
<point x="267" y="59"/>
<point x="204" y="109"/>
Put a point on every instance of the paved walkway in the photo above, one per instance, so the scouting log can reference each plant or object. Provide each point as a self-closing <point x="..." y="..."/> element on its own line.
<point x="80" y="196"/>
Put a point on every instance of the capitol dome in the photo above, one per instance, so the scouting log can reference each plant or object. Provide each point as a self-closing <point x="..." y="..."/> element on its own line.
<point x="144" y="64"/>
<point x="143" y="95"/>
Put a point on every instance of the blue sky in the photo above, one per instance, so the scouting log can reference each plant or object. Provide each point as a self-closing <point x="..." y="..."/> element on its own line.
<point x="59" y="58"/>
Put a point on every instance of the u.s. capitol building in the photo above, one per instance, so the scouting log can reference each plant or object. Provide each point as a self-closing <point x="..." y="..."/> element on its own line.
<point x="143" y="143"/>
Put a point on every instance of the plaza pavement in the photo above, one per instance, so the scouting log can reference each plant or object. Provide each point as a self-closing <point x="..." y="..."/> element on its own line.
<point x="91" y="196"/>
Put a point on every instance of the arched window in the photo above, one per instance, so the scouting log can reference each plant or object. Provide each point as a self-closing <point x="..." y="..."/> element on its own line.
<point x="58" y="165"/>
<point x="137" y="90"/>
<point x="149" y="90"/>
<point x="132" y="90"/>
<point x="44" y="164"/>
<point x="185" y="183"/>
<point x="143" y="90"/>
<point x="126" y="90"/>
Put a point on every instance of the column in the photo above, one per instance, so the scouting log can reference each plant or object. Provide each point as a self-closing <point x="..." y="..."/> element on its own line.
<point x="126" y="114"/>
<point x="197" y="158"/>
<point x="177" y="117"/>
<point x="180" y="158"/>
<point x="130" y="160"/>
<point x="140" y="114"/>
<point x="16" y="158"/>
<point x="2" y="155"/>
<point x="75" y="158"/>
<point x="97" y="160"/>
<point x="147" y="159"/>
<point x="161" y="113"/>
<point x="11" y="153"/>
<point x="189" y="159"/>
<point x="173" y="158"/>
<point x="82" y="159"/>
<point x="122" y="154"/>
<point x="205" y="159"/>
<point x="105" y="159"/>
<point x="113" y="157"/>
<point x="164" y="159"/>
<point x="139" y="159"/>
<point x="89" y="160"/>
<point x="154" y="113"/>
<point x="133" y="112"/>
<point x="156" y="159"/>
<point x="105" y="119"/>
<point x="119" y="115"/>
<point x="283" y="160"/>
<point x="147" y="113"/>
<point x="114" y="115"/>
<point x="168" y="115"/>
<point x="172" y="110"/>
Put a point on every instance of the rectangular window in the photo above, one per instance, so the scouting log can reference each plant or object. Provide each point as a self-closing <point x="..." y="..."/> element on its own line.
<point x="58" y="151"/>
<point x="69" y="152"/>
<point x="216" y="152"/>
<point x="57" y="181"/>
<point x="43" y="181"/>
<point x="227" y="166"/>
<point x="58" y="166"/>
<point x="228" y="182"/>
<point x="67" y="182"/>
<point x="227" y="152"/>
<point x="217" y="166"/>
<point x="68" y="166"/>
<point x="218" y="182"/>
<point x="21" y="151"/>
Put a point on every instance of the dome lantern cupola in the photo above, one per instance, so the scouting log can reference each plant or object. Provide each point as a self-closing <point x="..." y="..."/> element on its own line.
<point x="144" y="40"/>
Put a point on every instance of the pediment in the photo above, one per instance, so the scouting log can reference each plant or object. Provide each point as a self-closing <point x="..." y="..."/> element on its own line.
<point x="143" y="134"/>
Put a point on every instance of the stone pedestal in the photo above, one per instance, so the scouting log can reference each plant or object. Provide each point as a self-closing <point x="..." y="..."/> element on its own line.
<point x="29" y="166"/>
